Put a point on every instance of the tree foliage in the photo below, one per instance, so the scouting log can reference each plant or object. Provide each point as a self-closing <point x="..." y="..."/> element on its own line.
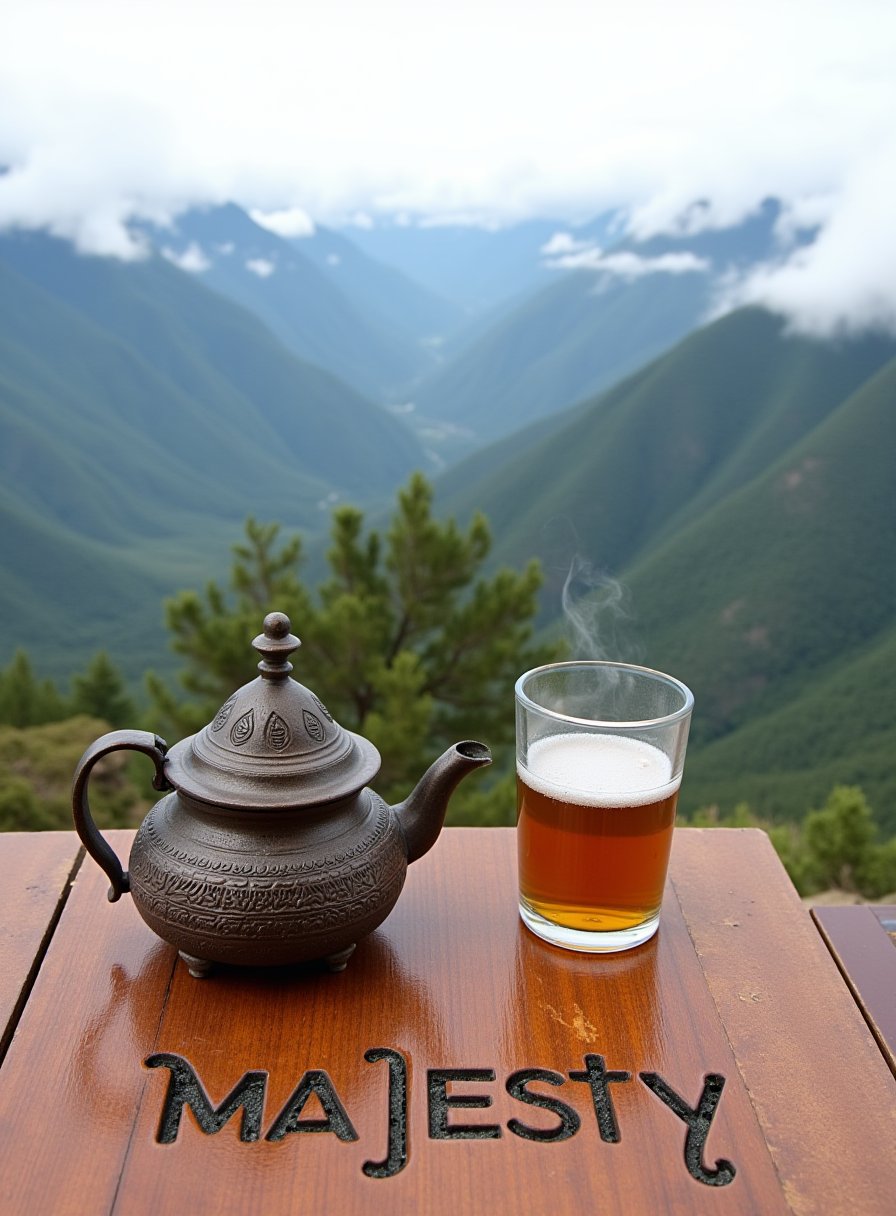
<point x="99" y="691"/>
<point x="836" y="846"/>
<point x="406" y="639"/>
<point x="26" y="700"/>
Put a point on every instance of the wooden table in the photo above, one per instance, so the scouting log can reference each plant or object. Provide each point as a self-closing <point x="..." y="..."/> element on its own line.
<point x="459" y="1065"/>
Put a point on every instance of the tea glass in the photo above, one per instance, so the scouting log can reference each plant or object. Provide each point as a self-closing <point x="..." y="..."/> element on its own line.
<point x="600" y="749"/>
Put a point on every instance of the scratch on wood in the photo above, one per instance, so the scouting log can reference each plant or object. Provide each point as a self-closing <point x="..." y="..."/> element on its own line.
<point x="584" y="1029"/>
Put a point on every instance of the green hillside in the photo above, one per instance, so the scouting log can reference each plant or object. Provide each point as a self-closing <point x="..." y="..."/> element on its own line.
<point x="586" y="329"/>
<point x="741" y="487"/>
<point x="839" y="729"/>
<point x="142" y="418"/>
<point x="609" y="479"/>
<point x="566" y="342"/>
<point x="239" y="378"/>
<point x="63" y="596"/>
<point x="779" y="608"/>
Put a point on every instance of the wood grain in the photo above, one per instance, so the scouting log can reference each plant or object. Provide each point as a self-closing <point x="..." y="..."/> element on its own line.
<point x="865" y="954"/>
<point x="826" y="1104"/>
<point x="71" y="1082"/>
<point x="452" y="980"/>
<point x="36" y="869"/>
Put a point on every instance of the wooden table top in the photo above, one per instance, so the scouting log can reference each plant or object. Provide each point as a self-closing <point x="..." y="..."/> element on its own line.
<point x="458" y="1065"/>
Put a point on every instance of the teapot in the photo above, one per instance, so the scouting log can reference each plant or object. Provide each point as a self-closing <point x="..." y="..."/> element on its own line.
<point x="268" y="847"/>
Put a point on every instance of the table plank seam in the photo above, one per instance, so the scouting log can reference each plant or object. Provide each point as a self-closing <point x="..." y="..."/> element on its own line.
<point x="39" y="955"/>
<point x="885" y="1049"/>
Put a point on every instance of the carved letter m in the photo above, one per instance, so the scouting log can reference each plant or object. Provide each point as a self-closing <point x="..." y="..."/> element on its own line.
<point x="185" y="1089"/>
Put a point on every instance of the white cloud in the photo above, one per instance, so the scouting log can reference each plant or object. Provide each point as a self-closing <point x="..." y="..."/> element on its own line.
<point x="627" y="265"/>
<point x="845" y="281"/>
<point x="191" y="259"/>
<point x="226" y="247"/>
<point x="801" y="215"/>
<point x="563" y="243"/>
<point x="263" y="267"/>
<point x="333" y="259"/>
<point x="646" y="108"/>
<point x="288" y="222"/>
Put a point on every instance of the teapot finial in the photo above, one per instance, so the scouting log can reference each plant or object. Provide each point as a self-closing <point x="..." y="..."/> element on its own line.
<point x="275" y="645"/>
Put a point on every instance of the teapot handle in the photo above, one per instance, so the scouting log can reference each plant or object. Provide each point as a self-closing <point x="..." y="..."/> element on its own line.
<point x="116" y="740"/>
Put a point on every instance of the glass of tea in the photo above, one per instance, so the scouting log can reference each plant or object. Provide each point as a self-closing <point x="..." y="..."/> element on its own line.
<point x="599" y="755"/>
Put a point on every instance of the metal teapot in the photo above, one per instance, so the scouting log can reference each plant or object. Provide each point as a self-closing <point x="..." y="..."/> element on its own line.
<point x="269" y="849"/>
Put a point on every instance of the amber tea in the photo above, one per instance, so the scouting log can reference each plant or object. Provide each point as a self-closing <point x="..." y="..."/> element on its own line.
<point x="600" y="752"/>
<point x="593" y="854"/>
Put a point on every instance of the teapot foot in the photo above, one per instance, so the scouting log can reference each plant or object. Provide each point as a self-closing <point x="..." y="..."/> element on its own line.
<point x="337" y="961"/>
<point x="197" y="967"/>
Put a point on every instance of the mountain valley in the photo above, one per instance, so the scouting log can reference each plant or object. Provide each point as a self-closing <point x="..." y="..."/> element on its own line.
<point x="715" y="497"/>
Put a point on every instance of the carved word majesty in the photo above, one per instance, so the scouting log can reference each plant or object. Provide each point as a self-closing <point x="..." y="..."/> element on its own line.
<point x="186" y="1090"/>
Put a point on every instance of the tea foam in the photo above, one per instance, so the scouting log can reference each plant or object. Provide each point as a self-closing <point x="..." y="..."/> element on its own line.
<point x="599" y="770"/>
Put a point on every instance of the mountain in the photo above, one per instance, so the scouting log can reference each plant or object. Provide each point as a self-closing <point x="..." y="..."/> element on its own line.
<point x="838" y="730"/>
<point x="741" y="488"/>
<point x="637" y="462"/>
<point x="587" y="328"/>
<point x="781" y="606"/>
<point x="303" y="301"/>
<point x="381" y="291"/>
<point x="561" y="345"/>
<point x="142" y="418"/>
<point x="477" y="268"/>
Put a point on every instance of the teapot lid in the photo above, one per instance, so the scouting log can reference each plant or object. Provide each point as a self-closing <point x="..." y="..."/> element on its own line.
<point x="273" y="744"/>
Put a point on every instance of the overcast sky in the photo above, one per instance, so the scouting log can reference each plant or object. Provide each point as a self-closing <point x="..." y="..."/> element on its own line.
<point x="486" y="112"/>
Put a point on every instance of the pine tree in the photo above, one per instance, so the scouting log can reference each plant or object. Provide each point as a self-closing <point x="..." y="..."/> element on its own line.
<point x="24" y="699"/>
<point x="100" y="693"/>
<point x="406" y="640"/>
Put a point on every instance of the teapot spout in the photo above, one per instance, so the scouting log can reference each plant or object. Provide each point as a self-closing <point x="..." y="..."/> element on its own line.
<point x="422" y="813"/>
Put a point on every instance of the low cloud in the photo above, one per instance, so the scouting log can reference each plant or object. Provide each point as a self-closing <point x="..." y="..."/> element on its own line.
<point x="94" y="225"/>
<point x="727" y="104"/>
<point x="562" y="244"/>
<point x="844" y="282"/>
<point x="191" y="259"/>
<point x="288" y="222"/>
<point x="263" y="267"/>
<point x="626" y="265"/>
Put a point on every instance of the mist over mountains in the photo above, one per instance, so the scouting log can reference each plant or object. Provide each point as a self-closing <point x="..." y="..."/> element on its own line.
<point x="570" y="381"/>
